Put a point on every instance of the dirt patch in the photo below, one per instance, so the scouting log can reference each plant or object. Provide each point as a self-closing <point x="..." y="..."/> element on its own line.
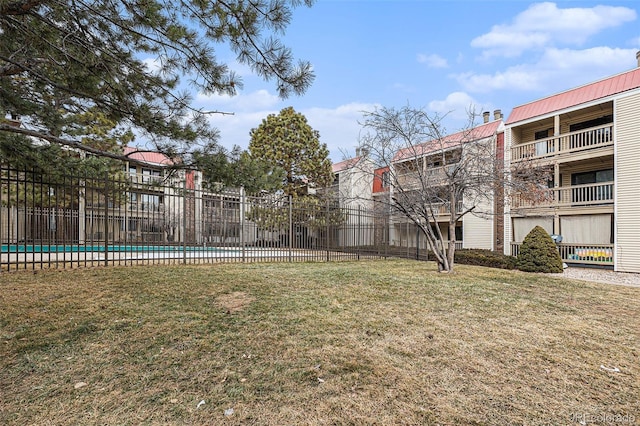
<point x="234" y="302"/>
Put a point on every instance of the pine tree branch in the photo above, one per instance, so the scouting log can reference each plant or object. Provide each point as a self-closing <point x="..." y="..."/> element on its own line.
<point x="68" y="143"/>
<point x="19" y="7"/>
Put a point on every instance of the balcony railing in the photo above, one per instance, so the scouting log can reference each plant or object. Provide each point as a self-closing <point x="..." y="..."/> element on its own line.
<point x="428" y="177"/>
<point x="594" y="137"/>
<point x="593" y="254"/>
<point x="592" y="194"/>
<point x="440" y="209"/>
<point x="445" y="208"/>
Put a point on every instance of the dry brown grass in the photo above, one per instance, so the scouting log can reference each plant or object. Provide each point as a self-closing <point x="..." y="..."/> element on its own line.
<point x="390" y="342"/>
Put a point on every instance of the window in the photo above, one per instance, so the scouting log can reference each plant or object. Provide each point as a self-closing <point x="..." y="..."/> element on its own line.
<point x="596" y="176"/>
<point x="150" y="175"/>
<point x="133" y="200"/>
<point x="150" y="202"/>
<point x="591" y="123"/>
<point x="541" y="134"/>
<point x="458" y="231"/>
<point x="386" y="179"/>
<point x="545" y="147"/>
<point x="593" y="137"/>
<point x="596" y="192"/>
<point x="133" y="225"/>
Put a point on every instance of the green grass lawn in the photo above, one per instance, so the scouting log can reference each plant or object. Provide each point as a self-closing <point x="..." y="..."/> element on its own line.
<point x="373" y="342"/>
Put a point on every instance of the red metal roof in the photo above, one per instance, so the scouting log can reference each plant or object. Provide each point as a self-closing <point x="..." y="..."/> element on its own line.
<point x="346" y="164"/>
<point x="480" y="132"/>
<point x="147" y="156"/>
<point x="600" y="89"/>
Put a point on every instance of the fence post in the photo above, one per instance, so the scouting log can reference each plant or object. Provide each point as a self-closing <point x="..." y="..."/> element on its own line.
<point x="327" y="227"/>
<point x="417" y="243"/>
<point x="359" y="231"/>
<point x="184" y="221"/>
<point x="82" y="211"/>
<point x="106" y="220"/>
<point x="242" y="210"/>
<point x="290" y="226"/>
<point x="406" y="228"/>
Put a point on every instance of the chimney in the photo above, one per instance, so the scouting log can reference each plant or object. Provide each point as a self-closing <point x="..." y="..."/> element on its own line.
<point x="497" y="115"/>
<point x="638" y="57"/>
<point x="485" y="116"/>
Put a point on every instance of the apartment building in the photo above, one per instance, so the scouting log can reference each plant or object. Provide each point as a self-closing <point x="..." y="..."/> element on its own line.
<point x="588" y="139"/>
<point x="424" y="168"/>
<point x="353" y="180"/>
<point x="147" y="205"/>
<point x="351" y="190"/>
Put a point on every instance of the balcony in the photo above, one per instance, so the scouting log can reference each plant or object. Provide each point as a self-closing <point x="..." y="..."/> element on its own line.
<point x="568" y="143"/>
<point x="431" y="176"/>
<point x="445" y="208"/>
<point x="589" y="254"/>
<point x="594" y="194"/>
<point x="440" y="209"/>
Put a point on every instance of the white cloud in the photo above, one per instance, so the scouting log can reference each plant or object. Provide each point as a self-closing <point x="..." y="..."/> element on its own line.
<point x="339" y="127"/>
<point x="544" y="24"/>
<point x="520" y="77"/>
<point x="432" y="61"/>
<point x="456" y="105"/>
<point x="635" y="42"/>
<point x="552" y="71"/>
<point x="259" y="99"/>
<point x="152" y="64"/>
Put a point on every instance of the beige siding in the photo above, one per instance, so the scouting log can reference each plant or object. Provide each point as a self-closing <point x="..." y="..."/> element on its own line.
<point x="477" y="232"/>
<point x="627" y="114"/>
<point x="514" y="136"/>
<point x="529" y="134"/>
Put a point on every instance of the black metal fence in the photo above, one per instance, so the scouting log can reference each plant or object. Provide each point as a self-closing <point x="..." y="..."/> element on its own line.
<point x="129" y="218"/>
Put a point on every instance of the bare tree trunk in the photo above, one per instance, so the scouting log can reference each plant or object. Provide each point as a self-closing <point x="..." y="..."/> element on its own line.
<point x="452" y="229"/>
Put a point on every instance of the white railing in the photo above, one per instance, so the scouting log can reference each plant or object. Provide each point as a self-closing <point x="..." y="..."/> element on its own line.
<point x="590" y="194"/>
<point x="430" y="176"/>
<point x="569" y="142"/>
<point x="445" y="208"/>
<point x="594" y="254"/>
<point x="577" y="195"/>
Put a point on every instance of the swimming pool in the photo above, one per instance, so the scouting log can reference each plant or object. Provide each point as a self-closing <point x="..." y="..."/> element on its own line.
<point x="127" y="248"/>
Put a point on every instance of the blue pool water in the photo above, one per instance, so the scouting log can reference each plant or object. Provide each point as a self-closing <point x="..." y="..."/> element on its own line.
<point x="68" y="248"/>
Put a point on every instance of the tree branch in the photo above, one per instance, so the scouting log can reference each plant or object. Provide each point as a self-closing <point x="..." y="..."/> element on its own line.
<point x="19" y="7"/>
<point x="68" y="143"/>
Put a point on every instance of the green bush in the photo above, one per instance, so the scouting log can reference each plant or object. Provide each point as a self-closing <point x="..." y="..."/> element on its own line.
<point x="538" y="253"/>
<point x="478" y="257"/>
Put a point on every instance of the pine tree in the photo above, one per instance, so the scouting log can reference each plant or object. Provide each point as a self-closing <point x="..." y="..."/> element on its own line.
<point x="126" y="62"/>
<point x="287" y="141"/>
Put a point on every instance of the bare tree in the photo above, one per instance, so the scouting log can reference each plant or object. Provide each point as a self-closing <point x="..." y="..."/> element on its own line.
<point x="436" y="179"/>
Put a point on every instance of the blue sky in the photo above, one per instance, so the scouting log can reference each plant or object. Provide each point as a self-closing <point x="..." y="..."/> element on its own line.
<point x="443" y="56"/>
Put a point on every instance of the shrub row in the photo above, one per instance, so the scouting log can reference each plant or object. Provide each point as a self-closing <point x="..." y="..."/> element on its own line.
<point x="487" y="258"/>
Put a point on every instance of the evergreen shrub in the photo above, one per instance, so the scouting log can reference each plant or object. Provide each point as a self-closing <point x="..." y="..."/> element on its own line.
<point x="488" y="258"/>
<point x="538" y="253"/>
